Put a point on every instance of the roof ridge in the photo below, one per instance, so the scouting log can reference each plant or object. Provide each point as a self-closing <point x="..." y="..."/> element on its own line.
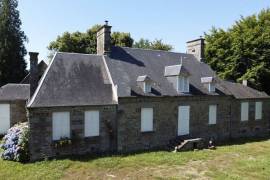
<point x="59" y="52"/>
<point x="153" y="50"/>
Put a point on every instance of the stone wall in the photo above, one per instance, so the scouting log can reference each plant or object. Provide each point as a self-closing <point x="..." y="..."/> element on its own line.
<point x="165" y="120"/>
<point x="125" y="120"/>
<point x="42" y="145"/>
<point x="251" y="127"/>
<point x="17" y="111"/>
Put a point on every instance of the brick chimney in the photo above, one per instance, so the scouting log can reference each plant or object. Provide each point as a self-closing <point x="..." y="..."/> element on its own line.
<point x="196" y="47"/>
<point x="33" y="72"/>
<point x="104" y="39"/>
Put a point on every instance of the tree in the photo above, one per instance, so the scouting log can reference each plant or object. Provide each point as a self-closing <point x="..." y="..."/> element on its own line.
<point x="85" y="42"/>
<point x="12" y="49"/>
<point x="155" y="45"/>
<point x="242" y="51"/>
<point x="81" y="42"/>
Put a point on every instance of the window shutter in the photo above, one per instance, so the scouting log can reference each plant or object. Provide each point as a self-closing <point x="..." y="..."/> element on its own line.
<point x="212" y="87"/>
<point x="146" y="119"/>
<point x="186" y="84"/>
<point x="147" y="87"/>
<point x="244" y="111"/>
<point x="183" y="84"/>
<point x="258" y="111"/>
<point x="212" y="114"/>
<point x="91" y="123"/>
<point x="61" y="125"/>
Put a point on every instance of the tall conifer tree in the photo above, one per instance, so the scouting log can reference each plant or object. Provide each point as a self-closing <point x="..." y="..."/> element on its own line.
<point x="12" y="49"/>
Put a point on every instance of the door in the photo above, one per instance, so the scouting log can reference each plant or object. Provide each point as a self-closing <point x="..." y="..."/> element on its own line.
<point x="183" y="120"/>
<point x="4" y="118"/>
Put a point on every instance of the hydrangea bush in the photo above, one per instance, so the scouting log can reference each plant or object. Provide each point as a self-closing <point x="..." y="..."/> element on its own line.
<point x="15" y="143"/>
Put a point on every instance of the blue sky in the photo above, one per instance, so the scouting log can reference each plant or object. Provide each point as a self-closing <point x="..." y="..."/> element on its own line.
<point x="173" y="21"/>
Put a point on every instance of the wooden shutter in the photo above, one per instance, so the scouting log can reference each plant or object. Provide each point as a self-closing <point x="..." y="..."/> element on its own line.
<point x="258" y="111"/>
<point x="244" y="111"/>
<point x="91" y="123"/>
<point x="183" y="120"/>
<point x="4" y="118"/>
<point x="186" y="84"/>
<point x="212" y="114"/>
<point x="61" y="125"/>
<point x="146" y="119"/>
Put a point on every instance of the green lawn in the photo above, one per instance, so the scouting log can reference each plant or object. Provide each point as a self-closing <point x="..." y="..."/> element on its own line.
<point x="245" y="161"/>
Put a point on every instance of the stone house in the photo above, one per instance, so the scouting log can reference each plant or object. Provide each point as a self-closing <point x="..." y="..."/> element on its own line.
<point x="13" y="99"/>
<point x="127" y="99"/>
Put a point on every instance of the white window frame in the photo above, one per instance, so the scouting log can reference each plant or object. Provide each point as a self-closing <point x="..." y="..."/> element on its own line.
<point x="60" y="125"/>
<point x="244" y="111"/>
<point x="147" y="116"/>
<point x="258" y="110"/>
<point x="91" y="123"/>
<point x="183" y="84"/>
<point x="212" y="117"/>
<point x="147" y="87"/>
<point x="211" y="87"/>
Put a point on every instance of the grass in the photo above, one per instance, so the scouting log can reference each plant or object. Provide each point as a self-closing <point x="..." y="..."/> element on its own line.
<point x="243" y="161"/>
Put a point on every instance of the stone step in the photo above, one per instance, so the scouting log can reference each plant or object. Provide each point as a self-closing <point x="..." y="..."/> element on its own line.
<point x="190" y="144"/>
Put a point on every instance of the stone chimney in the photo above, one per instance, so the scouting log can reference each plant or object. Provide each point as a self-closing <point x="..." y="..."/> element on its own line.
<point x="196" y="47"/>
<point x="33" y="72"/>
<point x="104" y="39"/>
<point x="245" y="82"/>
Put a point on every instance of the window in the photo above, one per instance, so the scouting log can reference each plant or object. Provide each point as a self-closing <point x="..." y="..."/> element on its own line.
<point x="244" y="111"/>
<point x="91" y="123"/>
<point x="211" y="87"/>
<point x="258" y="110"/>
<point x="212" y="114"/>
<point x="61" y="125"/>
<point x="147" y="87"/>
<point x="183" y="84"/>
<point x="146" y="119"/>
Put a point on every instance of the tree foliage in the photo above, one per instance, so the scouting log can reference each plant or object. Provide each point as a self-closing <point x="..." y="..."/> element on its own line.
<point x="12" y="49"/>
<point x="242" y="51"/>
<point x="85" y="42"/>
<point x="155" y="45"/>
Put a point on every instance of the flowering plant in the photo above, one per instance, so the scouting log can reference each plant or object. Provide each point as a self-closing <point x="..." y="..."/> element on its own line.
<point x="62" y="142"/>
<point x="15" y="143"/>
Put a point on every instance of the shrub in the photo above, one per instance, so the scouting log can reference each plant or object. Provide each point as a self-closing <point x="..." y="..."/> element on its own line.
<point x="15" y="143"/>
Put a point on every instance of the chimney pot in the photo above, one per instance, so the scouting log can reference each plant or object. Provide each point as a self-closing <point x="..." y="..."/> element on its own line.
<point x="106" y="23"/>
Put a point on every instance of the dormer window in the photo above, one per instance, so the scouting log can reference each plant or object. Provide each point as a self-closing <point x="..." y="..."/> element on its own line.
<point x="147" y="87"/>
<point x="183" y="84"/>
<point x="209" y="83"/>
<point x="179" y="77"/>
<point x="145" y="83"/>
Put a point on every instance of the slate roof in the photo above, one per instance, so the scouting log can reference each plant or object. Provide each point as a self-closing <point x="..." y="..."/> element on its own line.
<point x="126" y="64"/>
<point x="41" y="68"/>
<point x="143" y="78"/>
<point x="74" y="80"/>
<point x="175" y="70"/>
<point x="240" y="91"/>
<point x="82" y="79"/>
<point x="207" y="79"/>
<point x="11" y="92"/>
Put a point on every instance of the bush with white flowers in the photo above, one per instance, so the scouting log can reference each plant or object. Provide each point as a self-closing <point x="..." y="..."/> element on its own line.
<point x="15" y="143"/>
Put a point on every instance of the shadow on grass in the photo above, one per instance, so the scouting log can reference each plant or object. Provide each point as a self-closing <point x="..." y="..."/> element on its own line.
<point x="243" y="140"/>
